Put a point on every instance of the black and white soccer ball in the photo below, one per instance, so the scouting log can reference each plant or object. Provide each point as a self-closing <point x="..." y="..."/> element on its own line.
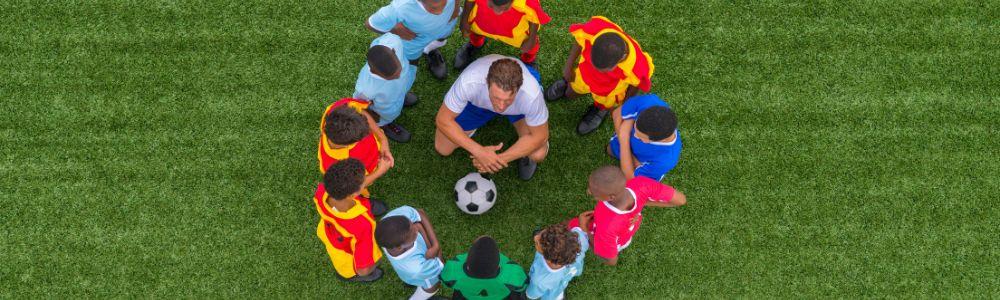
<point x="474" y="194"/>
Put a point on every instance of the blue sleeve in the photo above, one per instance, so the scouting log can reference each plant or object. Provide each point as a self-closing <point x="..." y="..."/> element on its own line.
<point x="637" y="104"/>
<point x="404" y="211"/>
<point x="384" y="19"/>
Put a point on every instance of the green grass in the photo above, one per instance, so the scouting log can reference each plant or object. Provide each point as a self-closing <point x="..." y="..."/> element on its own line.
<point x="166" y="149"/>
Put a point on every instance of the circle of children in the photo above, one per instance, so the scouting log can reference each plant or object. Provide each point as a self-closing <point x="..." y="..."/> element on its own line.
<point x="354" y="149"/>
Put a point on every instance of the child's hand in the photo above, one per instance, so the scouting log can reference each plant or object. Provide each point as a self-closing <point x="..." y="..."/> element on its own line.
<point x="585" y="219"/>
<point x="403" y="32"/>
<point x="387" y="157"/>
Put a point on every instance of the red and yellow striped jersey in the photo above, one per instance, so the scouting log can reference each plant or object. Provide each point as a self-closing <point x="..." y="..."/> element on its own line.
<point x="349" y="236"/>
<point x="636" y="70"/>
<point x="510" y="27"/>
<point x="366" y="150"/>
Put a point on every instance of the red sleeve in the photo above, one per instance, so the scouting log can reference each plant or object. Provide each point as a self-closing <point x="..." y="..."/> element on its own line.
<point x="364" y="246"/>
<point x="655" y="191"/>
<point x="543" y="18"/>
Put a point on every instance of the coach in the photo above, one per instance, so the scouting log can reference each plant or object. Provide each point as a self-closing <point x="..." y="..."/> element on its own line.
<point x="491" y="86"/>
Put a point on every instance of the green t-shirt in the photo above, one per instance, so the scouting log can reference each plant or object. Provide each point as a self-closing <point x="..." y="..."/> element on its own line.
<point x="511" y="279"/>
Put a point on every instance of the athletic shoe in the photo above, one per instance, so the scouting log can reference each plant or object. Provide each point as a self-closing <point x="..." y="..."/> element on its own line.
<point x="526" y="168"/>
<point x="465" y="56"/>
<point x="435" y="62"/>
<point x="556" y="90"/>
<point x="396" y="133"/>
<point x="591" y="120"/>
<point x="410" y="99"/>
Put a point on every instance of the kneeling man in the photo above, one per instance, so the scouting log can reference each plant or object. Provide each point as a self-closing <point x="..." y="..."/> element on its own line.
<point x="491" y="86"/>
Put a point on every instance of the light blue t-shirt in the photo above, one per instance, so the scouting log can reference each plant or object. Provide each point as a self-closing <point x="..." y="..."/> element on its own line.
<point x="549" y="284"/>
<point x="655" y="158"/>
<point x="386" y="95"/>
<point x="411" y="266"/>
<point x="413" y="15"/>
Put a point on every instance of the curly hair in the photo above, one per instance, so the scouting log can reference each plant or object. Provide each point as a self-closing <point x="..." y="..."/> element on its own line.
<point x="345" y="126"/>
<point x="559" y="245"/>
<point x="344" y="178"/>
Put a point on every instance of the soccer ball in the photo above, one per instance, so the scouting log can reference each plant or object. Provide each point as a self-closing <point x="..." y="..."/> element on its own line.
<point x="474" y="194"/>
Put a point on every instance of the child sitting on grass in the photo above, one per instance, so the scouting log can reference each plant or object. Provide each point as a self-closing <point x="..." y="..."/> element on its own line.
<point x="559" y="253"/>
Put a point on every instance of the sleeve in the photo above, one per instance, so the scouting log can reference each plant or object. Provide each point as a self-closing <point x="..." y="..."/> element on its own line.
<point x="658" y="192"/>
<point x="384" y="19"/>
<point x="538" y="113"/>
<point x="582" y="238"/>
<point x="364" y="248"/>
<point x="605" y="242"/>
<point x="405" y="211"/>
<point x="534" y="291"/>
<point x="630" y="109"/>
<point x="457" y="97"/>
<point x="513" y="275"/>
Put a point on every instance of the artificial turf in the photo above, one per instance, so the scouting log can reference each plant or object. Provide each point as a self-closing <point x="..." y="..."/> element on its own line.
<point x="166" y="149"/>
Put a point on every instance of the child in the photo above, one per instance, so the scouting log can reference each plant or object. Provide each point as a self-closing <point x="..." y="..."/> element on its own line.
<point x="411" y="246"/>
<point x="618" y="213"/>
<point x="424" y="26"/>
<point x="513" y="22"/>
<point x="484" y="273"/>
<point x="347" y="222"/>
<point x="349" y="131"/>
<point x="385" y="81"/>
<point x="647" y="142"/>
<point x="558" y="259"/>
<point x="605" y="63"/>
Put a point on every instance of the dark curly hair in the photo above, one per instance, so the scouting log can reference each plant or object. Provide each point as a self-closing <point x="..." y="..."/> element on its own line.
<point x="559" y="245"/>
<point x="344" y="178"/>
<point x="345" y="126"/>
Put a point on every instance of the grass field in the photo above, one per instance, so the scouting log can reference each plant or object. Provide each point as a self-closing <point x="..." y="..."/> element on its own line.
<point x="166" y="149"/>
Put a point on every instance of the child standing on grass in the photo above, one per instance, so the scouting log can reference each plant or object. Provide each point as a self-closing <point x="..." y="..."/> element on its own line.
<point x="605" y="63"/>
<point x="424" y="26"/>
<point x="385" y="81"/>
<point x="513" y="22"/>
<point x="647" y="142"/>
<point x="348" y="130"/>
<point x="484" y="273"/>
<point x="347" y="222"/>
<point x="411" y="246"/>
<point x="559" y="253"/>
<point x="618" y="213"/>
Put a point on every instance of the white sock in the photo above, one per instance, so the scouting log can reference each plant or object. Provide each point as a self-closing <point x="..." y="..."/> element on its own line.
<point x="421" y="294"/>
<point x="434" y="45"/>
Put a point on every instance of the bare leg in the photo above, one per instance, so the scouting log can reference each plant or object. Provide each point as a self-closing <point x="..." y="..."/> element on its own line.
<point x="539" y="154"/>
<point x="443" y="145"/>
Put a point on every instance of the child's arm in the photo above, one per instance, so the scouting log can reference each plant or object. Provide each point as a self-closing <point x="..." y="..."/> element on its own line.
<point x="464" y="23"/>
<point x="386" y="17"/>
<point x="433" y="245"/>
<point x="574" y="53"/>
<point x="631" y="91"/>
<point x="677" y="199"/>
<point x="623" y="129"/>
<point x="532" y="38"/>
<point x="386" y="161"/>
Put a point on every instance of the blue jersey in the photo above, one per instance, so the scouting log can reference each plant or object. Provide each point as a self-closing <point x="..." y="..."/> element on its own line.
<point x="655" y="158"/>
<point x="386" y="96"/>
<point x="411" y="266"/>
<point x="546" y="283"/>
<point x="428" y="27"/>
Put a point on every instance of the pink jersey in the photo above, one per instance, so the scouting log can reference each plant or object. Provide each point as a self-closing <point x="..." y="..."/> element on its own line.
<point x="613" y="228"/>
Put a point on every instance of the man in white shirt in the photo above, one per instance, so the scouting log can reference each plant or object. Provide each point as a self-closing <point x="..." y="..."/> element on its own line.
<point x="491" y="86"/>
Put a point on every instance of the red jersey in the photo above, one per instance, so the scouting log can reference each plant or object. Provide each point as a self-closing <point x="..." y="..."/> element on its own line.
<point x="349" y="236"/>
<point x="636" y="70"/>
<point x="367" y="150"/>
<point x="613" y="228"/>
<point x="510" y="27"/>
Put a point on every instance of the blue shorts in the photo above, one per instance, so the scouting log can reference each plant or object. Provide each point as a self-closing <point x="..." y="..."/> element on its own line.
<point x="473" y="117"/>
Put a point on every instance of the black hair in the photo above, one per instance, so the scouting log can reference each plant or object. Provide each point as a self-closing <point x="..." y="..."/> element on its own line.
<point x="345" y="126"/>
<point x="500" y="2"/>
<point x="608" y="49"/>
<point x="658" y="122"/>
<point x="484" y="259"/>
<point x="344" y="178"/>
<point x="391" y="232"/>
<point x="383" y="61"/>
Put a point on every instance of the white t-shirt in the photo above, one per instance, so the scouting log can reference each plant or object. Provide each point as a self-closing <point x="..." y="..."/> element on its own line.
<point x="471" y="88"/>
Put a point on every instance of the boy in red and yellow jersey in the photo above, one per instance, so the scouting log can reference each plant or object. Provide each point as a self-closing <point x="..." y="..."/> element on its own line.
<point x="513" y="22"/>
<point x="605" y="63"/>
<point x="348" y="130"/>
<point x="347" y="222"/>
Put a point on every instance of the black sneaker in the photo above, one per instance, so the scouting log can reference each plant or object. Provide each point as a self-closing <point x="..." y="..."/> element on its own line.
<point x="374" y="276"/>
<point x="435" y="62"/>
<point x="556" y="90"/>
<point x="526" y="168"/>
<point x="591" y="120"/>
<point x="410" y="99"/>
<point x="465" y="56"/>
<point x="378" y="207"/>
<point x="396" y="133"/>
